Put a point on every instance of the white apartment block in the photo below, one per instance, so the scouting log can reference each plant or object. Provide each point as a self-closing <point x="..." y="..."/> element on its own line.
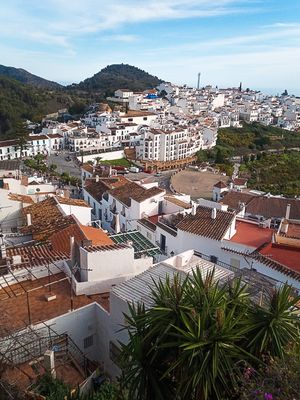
<point x="168" y="145"/>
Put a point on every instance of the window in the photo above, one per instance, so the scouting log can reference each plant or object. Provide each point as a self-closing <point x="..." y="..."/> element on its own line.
<point x="145" y="118"/>
<point x="114" y="352"/>
<point x="214" y="259"/>
<point x="88" y="341"/>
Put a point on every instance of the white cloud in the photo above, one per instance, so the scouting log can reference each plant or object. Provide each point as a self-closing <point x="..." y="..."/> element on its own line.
<point x="120" y="38"/>
<point x="59" y="21"/>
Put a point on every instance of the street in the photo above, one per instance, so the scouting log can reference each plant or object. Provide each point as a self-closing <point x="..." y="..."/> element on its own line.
<point x="63" y="165"/>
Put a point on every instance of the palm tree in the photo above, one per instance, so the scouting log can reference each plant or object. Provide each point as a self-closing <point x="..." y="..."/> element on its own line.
<point x="276" y="324"/>
<point x="195" y="340"/>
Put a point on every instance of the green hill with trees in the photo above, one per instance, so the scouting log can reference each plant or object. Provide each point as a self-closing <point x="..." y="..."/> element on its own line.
<point x="20" y="102"/>
<point x="117" y="76"/>
<point x="27" y="96"/>
<point x="26" y="77"/>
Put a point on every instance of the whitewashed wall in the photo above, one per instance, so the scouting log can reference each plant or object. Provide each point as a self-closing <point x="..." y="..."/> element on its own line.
<point x="111" y="155"/>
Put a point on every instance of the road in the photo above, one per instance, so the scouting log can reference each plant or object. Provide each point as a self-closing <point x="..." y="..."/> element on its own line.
<point x="64" y="166"/>
<point x="74" y="170"/>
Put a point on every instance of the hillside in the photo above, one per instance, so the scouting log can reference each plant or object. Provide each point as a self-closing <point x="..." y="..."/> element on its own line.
<point x="117" y="76"/>
<point x="26" y="96"/>
<point x="26" y="77"/>
<point x="19" y="101"/>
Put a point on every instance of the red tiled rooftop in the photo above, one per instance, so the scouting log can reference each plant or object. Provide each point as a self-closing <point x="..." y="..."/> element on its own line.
<point x="97" y="236"/>
<point x="154" y="218"/>
<point x="251" y="234"/>
<point x="290" y="257"/>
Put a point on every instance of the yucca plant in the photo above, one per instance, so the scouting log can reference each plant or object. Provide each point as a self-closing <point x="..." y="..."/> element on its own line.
<point x="195" y="340"/>
<point x="275" y="325"/>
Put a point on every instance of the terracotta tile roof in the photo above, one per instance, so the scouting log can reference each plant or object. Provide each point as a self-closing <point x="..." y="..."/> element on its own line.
<point x="38" y="137"/>
<point x="134" y="191"/>
<point x="202" y="224"/>
<point x="240" y="181"/>
<point x="273" y="207"/>
<point x="46" y="218"/>
<point x="9" y="165"/>
<point x="178" y="202"/>
<point x="97" y="189"/>
<point x="54" y="136"/>
<point x="20" y="197"/>
<point x="220" y="185"/>
<point x="114" y="246"/>
<point x="234" y="199"/>
<point x="72" y="202"/>
<point x="97" y="236"/>
<point x="34" y="255"/>
<point x="251" y="234"/>
<point x="137" y="113"/>
<point x="61" y="240"/>
<point x="6" y="143"/>
<point x="289" y="257"/>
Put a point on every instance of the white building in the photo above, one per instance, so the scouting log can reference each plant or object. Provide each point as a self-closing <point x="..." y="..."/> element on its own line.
<point x="119" y="203"/>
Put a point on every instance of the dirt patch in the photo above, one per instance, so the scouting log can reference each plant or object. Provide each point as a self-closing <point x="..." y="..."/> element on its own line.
<point x="196" y="183"/>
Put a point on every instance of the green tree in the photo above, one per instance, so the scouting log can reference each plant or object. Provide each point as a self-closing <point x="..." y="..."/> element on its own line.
<point x="22" y="136"/>
<point x="198" y="337"/>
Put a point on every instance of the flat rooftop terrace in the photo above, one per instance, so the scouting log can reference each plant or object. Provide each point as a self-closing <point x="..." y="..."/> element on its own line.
<point x="20" y="306"/>
<point x="251" y="234"/>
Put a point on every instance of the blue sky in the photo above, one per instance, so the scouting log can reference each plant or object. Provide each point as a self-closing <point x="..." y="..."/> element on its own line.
<point x="228" y="41"/>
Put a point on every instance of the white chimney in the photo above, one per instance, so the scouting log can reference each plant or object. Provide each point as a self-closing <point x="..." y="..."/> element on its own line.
<point x="214" y="213"/>
<point x="28" y="219"/>
<point x="3" y="250"/>
<point x="97" y="178"/>
<point x="288" y="211"/>
<point x="72" y="248"/>
<point x="117" y="223"/>
<point x="194" y="209"/>
<point x="49" y="363"/>
<point x="16" y="259"/>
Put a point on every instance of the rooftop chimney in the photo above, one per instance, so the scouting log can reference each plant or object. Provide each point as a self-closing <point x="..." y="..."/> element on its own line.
<point x="214" y="213"/>
<point x="49" y="362"/>
<point x="194" y="209"/>
<point x="72" y="252"/>
<point x="28" y="219"/>
<point x="288" y="211"/>
<point x="97" y="178"/>
<point x="3" y="250"/>
<point x="117" y="223"/>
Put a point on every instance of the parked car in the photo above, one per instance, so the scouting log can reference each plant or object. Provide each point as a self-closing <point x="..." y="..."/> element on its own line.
<point x="134" y="169"/>
<point x="158" y="174"/>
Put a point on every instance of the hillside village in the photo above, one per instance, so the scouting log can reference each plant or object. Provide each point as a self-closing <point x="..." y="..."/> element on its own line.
<point x="73" y="259"/>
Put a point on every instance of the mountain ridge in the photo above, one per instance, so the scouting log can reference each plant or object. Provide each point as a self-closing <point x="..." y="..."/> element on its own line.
<point x="25" y="77"/>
